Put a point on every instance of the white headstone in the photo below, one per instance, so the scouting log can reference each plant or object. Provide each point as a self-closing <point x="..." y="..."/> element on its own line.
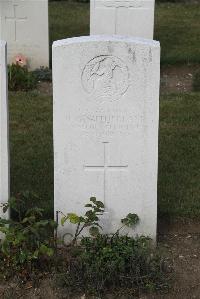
<point x="124" y="17"/>
<point x="4" y="163"/>
<point x="24" y="25"/>
<point x="106" y="109"/>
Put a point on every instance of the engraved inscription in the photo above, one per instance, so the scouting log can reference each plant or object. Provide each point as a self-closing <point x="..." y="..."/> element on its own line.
<point x="105" y="78"/>
<point x="105" y="122"/>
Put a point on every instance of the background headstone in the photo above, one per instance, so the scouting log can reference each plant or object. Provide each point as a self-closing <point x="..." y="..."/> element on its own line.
<point x="106" y="109"/>
<point x="122" y="17"/>
<point x="4" y="145"/>
<point x="24" y="25"/>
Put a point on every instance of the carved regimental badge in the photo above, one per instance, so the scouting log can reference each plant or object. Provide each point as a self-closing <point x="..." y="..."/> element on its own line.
<point x="105" y="78"/>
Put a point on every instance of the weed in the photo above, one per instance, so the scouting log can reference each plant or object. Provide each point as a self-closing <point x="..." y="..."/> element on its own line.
<point x="27" y="240"/>
<point x="43" y="74"/>
<point x="89" y="220"/>
<point x="19" y="78"/>
<point x="105" y="264"/>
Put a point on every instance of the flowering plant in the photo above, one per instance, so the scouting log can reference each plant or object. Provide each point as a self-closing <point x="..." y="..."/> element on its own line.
<point x="20" y="60"/>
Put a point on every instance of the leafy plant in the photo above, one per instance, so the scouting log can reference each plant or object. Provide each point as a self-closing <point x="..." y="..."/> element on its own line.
<point x="27" y="240"/>
<point x="104" y="264"/>
<point x="89" y="220"/>
<point x="43" y="74"/>
<point x="130" y="220"/>
<point x="19" y="78"/>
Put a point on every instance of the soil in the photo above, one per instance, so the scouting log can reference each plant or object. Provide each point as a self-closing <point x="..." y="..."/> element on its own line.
<point x="177" y="78"/>
<point x="173" y="79"/>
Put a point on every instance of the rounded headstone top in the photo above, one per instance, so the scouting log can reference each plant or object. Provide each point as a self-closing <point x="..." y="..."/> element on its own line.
<point x="106" y="38"/>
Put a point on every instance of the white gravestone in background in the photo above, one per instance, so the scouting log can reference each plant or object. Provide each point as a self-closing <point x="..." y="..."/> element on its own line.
<point x="4" y="163"/>
<point x="24" y="25"/>
<point x="106" y="109"/>
<point x="123" y="17"/>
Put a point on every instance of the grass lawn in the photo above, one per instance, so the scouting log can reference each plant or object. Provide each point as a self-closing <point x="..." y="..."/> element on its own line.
<point x="31" y="146"/>
<point x="179" y="148"/>
<point x="179" y="155"/>
<point x="177" y="27"/>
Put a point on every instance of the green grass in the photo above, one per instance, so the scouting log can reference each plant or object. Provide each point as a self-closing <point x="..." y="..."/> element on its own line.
<point x="179" y="151"/>
<point x="179" y="156"/>
<point x="31" y="145"/>
<point x="177" y="27"/>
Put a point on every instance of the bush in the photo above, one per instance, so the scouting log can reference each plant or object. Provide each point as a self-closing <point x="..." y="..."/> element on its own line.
<point x="19" y="78"/>
<point x="43" y="74"/>
<point x="101" y="263"/>
<point x="107" y="263"/>
<point x="27" y="244"/>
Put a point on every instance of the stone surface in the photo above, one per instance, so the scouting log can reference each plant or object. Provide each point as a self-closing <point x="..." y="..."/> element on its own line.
<point x="24" y="25"/>
<point x="106" y="110"/>
<point x="4" y="161"/>
<point x="124" y="17"/>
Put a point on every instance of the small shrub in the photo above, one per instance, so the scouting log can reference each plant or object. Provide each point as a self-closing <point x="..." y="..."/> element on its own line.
<point x="28" y="240"/>
<point x="196" y="81"/>
<point x="19" y="78"/>
<point x="43" y="74"/>
<point x="107" y="263"/>
<point x="103" y="263"/>
<point x="89" y="220"/>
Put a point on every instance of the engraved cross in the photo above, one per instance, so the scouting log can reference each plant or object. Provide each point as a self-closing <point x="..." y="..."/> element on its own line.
<point x="105" y="167"/>
<point x="117" y="5"/>
<point x="16" y="19"/>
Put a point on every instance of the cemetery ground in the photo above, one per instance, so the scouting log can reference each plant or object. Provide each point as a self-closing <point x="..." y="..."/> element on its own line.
<point x="177" y="28"/>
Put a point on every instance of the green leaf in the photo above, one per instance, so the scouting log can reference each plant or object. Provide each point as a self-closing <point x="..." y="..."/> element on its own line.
<point x="50" y="252"/>
<point x="43" y="249"/>
<point x="90" y="213"/>
<point x="88" y="205"/>
<point x="73" y="218"/>
<point x="100" y="204"/>
<point x="94" y="231"/>
<point x="5" y="247"/>
<point x="4" y="230"/>
<point x="81" y="219"/>
<point x="130" y="219"/>
<point x="63" y="220"/>
<point x="26" y="219"/>
<point x="35" y="254"/>
<point x="5" y="221"/>
<point x="42" y="223"/>
<point x="93" y="199"/>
